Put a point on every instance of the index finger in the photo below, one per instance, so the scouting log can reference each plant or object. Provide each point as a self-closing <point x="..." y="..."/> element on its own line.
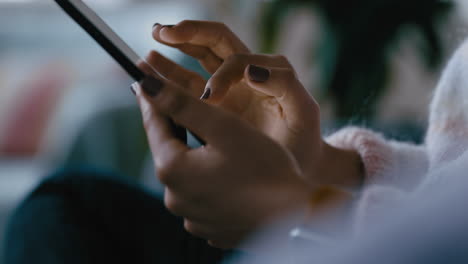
<point x="213" y="35"/>
<point x="213" y="125"/>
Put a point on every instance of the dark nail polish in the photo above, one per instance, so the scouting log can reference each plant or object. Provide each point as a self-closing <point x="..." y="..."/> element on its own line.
<point x="151" y="86"/>
<point x="156" y="24"/>
<point x="132" y="89"/>
<point x="258" y="74"/>
<point x="206" y="94"/>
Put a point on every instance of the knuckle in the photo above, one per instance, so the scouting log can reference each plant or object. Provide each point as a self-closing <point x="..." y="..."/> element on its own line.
<point x="164" y="175"/>
<point x="166" y="172"/>
<point x="151" y="55"/>
<point x="190" y="227"/>
<point x="173" y="204"/>
<point x="217" y="39"/>
<point x="283" y="60"/>
<point x="290" y="74"/>
<point x="221" y="26"/>
<point x="287" y="75"/>
<point x="219" y="243"/>
<point x="237" y="59"/>
<point x="194" y="229"/>
<point x="185" y="22"/>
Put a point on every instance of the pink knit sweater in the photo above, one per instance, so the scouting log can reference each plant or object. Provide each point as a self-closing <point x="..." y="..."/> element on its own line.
<point x="395" y="170"/>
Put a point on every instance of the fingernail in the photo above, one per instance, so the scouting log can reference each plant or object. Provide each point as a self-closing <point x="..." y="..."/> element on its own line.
<point x="258" y="74"/>
<point x="132" y="89"/>
<point x="151" y="86"/>
<point x="156" y="24"/>
<point x="206" y="94"/>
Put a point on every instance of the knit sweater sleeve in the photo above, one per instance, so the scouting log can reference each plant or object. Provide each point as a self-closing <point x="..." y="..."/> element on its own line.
<point x="447" y="135"/>
<point x="386" y="162"/>
<point x="394" y="169"/>
<point x="391" y="168"/>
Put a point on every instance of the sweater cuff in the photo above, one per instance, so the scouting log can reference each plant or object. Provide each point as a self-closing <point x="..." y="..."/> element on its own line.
<point x="374" y="150"/>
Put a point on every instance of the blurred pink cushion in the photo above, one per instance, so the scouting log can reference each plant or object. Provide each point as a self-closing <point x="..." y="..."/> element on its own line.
<point x="29" y="116"/>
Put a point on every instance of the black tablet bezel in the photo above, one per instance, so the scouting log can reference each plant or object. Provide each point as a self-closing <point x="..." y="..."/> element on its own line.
<point x="99" y="35"/>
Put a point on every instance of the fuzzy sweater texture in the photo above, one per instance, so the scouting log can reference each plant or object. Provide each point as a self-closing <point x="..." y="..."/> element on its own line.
<point x="395" y="170"/>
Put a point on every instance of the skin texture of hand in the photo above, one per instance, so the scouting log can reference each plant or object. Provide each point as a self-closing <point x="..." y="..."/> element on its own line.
<point x="260" y="89"/>
<point x="239" y="181"/>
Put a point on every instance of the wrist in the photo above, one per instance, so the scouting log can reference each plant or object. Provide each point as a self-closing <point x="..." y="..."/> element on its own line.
<point x="342" y="167"/>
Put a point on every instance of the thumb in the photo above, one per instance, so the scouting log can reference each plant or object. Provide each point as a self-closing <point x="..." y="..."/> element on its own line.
<point x="282" y="84"/>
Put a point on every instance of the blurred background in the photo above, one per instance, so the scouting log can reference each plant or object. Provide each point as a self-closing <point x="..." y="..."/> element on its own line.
<point x="64" y="102"/>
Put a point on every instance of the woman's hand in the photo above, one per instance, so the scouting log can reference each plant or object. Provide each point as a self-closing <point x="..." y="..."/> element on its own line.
<point x="261" y="89"/>
<point x="240" y="180"/>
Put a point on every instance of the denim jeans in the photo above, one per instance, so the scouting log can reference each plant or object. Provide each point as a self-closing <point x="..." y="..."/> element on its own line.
<point x="84" y="216"/>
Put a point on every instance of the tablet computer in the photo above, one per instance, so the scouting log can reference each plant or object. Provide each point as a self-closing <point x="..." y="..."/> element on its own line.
<point x="112" y="43"/>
